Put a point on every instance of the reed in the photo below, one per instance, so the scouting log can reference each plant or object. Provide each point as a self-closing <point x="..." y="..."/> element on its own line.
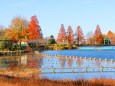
<point x="10" y="81"/>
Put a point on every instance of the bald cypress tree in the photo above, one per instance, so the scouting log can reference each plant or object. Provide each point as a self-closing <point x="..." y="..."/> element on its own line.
<point x="62" y="37"/>
<point x="34" y="29"/>
<point x="70" y="35"/>
<point x="98" y="35"/>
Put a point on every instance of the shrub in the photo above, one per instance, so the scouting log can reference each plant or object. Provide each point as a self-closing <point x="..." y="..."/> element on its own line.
<point x="15" y="47"/>
<point x="5" y="45"/>
<point x="62" y="48"/>
<point x="2" y="45"/>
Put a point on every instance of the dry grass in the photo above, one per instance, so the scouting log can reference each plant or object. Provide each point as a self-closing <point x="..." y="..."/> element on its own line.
<point x="104" y="82"/>
<point x="8" y="81"/>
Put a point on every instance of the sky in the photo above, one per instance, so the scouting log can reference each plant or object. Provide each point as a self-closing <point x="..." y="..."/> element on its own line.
<point x="52" y="13"/>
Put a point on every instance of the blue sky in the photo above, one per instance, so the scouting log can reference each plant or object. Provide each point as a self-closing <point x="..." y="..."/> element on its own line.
<point x="52" y="13"/>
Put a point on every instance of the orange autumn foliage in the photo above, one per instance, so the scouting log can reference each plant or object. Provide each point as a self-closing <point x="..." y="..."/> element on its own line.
<point x="10" y="34"/>
<point x="61" y="35"/>
<point x="98" y="34"/>
<point x="70" y="35"/>
<point x="17" y="29"/>
<point x="34" y="30"/>
<point x="79" y="34"/>
<point x="109" y="34"/>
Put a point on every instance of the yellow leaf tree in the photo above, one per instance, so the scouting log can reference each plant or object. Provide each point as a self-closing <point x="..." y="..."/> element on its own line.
<point x="17" y="29"/>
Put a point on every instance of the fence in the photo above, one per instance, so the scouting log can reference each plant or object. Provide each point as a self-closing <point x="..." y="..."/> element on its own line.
<point x="77" y="70"/>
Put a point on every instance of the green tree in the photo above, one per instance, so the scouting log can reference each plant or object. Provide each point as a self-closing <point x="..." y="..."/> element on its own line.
<point x="2" y="45"/>
<point x="5" y="45"/>
<point x="1" y="32"/>
<point x="52" y="40"/>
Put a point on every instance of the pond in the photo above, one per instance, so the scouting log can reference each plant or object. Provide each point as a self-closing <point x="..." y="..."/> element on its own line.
<point x="93" y="66"/>
<point x="94" y="52"/>
<point x="73" y="64"/>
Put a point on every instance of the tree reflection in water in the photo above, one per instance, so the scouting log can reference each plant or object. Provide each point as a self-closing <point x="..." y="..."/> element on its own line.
<point x="21" y="62"/>
<point x="62" y="61"/>
<point x="79" y="62"/>
<point x="35" y="61"/>
<point x="70" y="61"/>
<point x="98" y="63"/>
<point x="10" y="62"/>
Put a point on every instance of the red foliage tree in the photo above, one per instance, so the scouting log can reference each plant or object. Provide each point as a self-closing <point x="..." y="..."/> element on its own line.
<point x="79" y="34"/>
<point x="61" y="35"/>
<point x="98" y="35"/>
<point x="70" y="35"/>
<point x="109" y="34"/>
<point x="34" y="30"/>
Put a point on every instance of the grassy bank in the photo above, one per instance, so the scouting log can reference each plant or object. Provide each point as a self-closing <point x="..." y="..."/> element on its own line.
<point x="61" y="46"/>
<point x="8" y="81"/>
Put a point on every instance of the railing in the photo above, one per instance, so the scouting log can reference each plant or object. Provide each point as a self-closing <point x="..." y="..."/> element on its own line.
<point x="34" y="72"/>
<point x="12" y="52"/>
<point x="77" y="70"/>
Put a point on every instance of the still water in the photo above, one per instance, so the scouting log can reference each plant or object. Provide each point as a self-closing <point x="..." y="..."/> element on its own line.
<point x="54" y="67"/>
<point x="93" y="52"/>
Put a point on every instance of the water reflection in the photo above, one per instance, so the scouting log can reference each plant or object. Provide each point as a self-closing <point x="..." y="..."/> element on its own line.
<point x="69" y="60"/>
<point x="10" y="62"/>
<point x="34" y="61"/>
<point x="62" y="62"/>
<point x="24" y="61"/>
<point x="39" y="61"/>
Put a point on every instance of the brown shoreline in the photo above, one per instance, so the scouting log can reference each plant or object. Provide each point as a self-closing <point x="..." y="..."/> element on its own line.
<point x="19" y="73"/>
<point x="16" y="81"/>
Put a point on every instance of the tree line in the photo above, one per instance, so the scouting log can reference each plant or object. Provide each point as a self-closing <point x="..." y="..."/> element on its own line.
<point x="78" y="37"/>
<point x="20" y="29"/>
